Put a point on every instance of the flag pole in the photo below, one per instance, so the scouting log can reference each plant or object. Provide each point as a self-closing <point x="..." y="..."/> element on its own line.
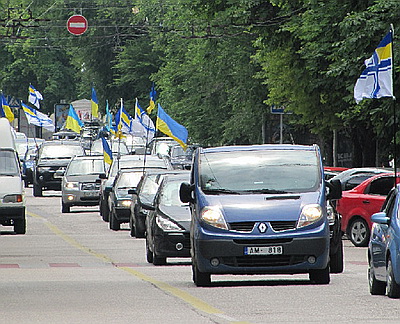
<point x="394" y="113"/>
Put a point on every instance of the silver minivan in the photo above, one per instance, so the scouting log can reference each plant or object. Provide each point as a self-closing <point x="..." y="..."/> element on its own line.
<point x="12" y="194"/>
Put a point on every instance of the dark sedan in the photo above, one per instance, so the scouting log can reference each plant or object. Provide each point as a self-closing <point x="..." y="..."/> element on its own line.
<point x="119" y="199"/>
<point x="168" y="222"/>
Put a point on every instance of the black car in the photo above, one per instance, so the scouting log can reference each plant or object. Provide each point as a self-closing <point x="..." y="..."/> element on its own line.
<point x="144" y="195"/>
<point x="119" y="197"/>
<point x="143" y="162"/>
<point x="168" y="222"/>
<point x="52" y="159"/>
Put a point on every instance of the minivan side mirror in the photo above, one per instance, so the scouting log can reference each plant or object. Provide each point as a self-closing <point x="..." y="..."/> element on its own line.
<point x="186" y="193"/>
<point x="334" y="190"/>
<point x="102" y="176"/>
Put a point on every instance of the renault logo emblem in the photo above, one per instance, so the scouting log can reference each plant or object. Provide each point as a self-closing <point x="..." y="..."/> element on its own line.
<point x="262" y="227"/>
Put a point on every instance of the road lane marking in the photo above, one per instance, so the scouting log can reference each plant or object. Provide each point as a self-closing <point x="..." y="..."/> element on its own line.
<point x="195" y="302"/>
<point x="184" y="296"/>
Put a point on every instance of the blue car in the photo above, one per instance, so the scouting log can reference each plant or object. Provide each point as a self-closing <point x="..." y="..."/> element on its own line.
<point x="384" y="247"/>
<point x="259" y="209"/>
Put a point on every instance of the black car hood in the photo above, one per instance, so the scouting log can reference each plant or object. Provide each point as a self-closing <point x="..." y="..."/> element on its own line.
<point x="180" y="215"/>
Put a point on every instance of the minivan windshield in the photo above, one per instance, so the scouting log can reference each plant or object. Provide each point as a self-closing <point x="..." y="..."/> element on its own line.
<point x="259" y="171"/>
<point x="8" y="163"/>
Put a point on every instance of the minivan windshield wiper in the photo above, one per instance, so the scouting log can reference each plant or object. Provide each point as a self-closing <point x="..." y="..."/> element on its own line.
<point x="266" y="191"/>
<point x="220" y="190"/>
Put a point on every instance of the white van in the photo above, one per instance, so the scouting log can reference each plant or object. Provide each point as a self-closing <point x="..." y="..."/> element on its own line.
<point x="12" y="195"/>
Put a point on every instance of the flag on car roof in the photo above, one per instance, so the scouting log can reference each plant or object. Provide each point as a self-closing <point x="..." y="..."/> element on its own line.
<point x="37" y="118"/>
<point x="376" y="80"/>
<point x="34" y="96"/>
<point x="95" y="104"/>
<point x="148" y="126"/>
<point x="153" y="95"/>
<point x="73" y="121"/>
<point x="107" y="153"/>
<point x="5" y="109"/>
<point x="171" y="128"/>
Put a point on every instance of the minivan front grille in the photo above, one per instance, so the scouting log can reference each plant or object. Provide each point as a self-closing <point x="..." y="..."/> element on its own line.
<point x="242" y="226"/>
<point x="262" y="241"/>
<point x="278" y="226"/>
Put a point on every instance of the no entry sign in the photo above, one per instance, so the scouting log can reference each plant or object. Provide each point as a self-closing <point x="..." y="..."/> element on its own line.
<point x="77" y="24"/>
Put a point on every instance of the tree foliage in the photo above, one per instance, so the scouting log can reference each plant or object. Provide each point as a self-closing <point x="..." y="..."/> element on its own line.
<point x="217" y="65"/>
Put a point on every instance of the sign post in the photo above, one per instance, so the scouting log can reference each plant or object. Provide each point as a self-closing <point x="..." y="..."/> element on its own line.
<point x="279" y="111"/>
<point x="77" y="24"/>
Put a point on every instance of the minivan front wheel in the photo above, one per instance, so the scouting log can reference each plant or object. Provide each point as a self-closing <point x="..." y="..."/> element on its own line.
<point x="200" y="279"/>
<point x="20" y="226"/>
<point x="320" y="276"/>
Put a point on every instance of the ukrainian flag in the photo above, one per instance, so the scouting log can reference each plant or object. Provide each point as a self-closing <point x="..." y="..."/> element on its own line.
<point x="123" y="120"/>
<point x="376" y="80"/>
<point x="6" y="110"/>
<point x="171" y="128"/>
<point x="108" y="158"/>
<point x="152" y="105"/>
<point x="73" y="122"/>
<point x="95" y="104"/>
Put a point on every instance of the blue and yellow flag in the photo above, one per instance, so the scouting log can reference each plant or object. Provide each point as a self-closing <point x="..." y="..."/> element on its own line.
<point x="171" y="128"/>
<point x="5" y="109"/>
<point x="152" y="104"/>
<point x="122" y="120"/>
<point x="34" y="96"/>
<point x="37" y="118"/>
<point x="107" y="153"/>
<point x="95" y="104"/>
<point x="144" y="119"/>
<point x="73" y="122"/>
<point x="376" y="80"/>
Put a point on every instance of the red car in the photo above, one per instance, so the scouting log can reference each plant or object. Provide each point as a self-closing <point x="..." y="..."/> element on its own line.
<point x="357" y="205"/>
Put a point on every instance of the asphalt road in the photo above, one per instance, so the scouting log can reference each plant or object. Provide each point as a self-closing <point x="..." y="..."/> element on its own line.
<point x="71" y="268"/>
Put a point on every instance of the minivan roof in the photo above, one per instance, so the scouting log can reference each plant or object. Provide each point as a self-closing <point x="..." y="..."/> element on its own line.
<point x="7" y="138"/>
<point x="260" y="147"/>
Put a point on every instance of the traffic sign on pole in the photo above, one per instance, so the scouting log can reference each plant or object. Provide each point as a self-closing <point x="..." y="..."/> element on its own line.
<point x="77" y="24"/>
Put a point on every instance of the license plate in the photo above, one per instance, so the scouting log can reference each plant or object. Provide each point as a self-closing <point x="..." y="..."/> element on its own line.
<point x="90" y="193"/>
<point x="263" y="250"/>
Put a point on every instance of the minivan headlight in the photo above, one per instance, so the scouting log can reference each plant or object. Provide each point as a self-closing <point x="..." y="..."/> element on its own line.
<point x="310" y="214"/>
<point x="213" y="216"/>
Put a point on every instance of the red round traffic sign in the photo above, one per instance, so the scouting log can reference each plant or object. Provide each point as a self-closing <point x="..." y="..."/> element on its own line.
<point x="77" y="24"/>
